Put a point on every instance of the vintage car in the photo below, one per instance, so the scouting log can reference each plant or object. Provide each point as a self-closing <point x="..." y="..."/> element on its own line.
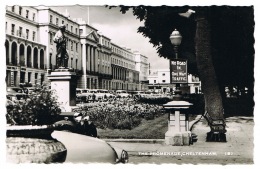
<point x="86" y="149"/>
<point x="122" y="94"/>
<point x="138" y="94"/>
<point x="84" y="95"/>
<point x="15" y="93"/>
<point x="103" y="94"/>
<point x="82" y="148"/>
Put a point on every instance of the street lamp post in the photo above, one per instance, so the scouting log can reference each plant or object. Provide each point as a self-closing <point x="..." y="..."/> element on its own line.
<point x="176" y="41"/>
<point x="178" y="133"/>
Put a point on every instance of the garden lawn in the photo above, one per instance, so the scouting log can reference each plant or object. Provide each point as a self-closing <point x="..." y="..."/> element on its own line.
<point x="148" y="129"/>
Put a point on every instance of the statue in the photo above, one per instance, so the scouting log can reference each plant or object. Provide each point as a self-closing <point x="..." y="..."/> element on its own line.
<point x="62" y="54"/>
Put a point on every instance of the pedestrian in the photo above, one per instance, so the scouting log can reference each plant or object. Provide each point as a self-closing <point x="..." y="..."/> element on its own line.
<point x="79" y="123"/>
<point x="89" y="127"/>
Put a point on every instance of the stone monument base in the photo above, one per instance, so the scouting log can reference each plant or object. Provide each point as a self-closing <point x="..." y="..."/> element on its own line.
<point x="64" y="83"/>
<point x="178" y="138"/>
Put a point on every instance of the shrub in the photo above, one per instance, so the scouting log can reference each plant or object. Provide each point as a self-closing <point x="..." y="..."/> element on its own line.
<point x="154" y="99"/>
<point x="40" y="108"/>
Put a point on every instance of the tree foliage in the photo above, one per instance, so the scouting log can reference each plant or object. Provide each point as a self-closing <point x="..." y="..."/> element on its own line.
<point x="232" y="37"/>
<point x="40" y="108"/>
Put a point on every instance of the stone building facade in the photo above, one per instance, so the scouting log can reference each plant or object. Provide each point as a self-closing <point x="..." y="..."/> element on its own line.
<point x="99" y="63"/>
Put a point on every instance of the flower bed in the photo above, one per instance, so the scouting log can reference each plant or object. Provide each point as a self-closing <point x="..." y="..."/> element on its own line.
<point x="154" y="99"/>
<point x="123" y="113"/>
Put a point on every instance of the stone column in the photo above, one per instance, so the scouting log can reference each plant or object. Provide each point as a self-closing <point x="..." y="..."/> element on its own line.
<point x="90" y="83"/>
<point x="10" y="53"/>
<point x="18" y="54"/>
<point x="38" y="60"/>
<point x="84" y="64"/>
<point x="32" y="57"/>
<point x="88" y="57"/>
<point x="96" y="60"/>
<point x="92" y="59"/>
<point x="25" y="56"/>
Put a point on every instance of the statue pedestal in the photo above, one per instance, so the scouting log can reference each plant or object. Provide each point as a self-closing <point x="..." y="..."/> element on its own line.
<point x="64" y="84"/>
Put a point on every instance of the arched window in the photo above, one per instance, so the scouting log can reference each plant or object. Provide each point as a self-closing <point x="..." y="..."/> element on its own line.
<point x="7" y="52"/>
<point x="29" y="57"/>
<point x="35" y="57"/>
<point x="42" y="59"/>
<point x="21" y="53"/>
<point x="71" y="63"/>
<point x="14" y="54"/>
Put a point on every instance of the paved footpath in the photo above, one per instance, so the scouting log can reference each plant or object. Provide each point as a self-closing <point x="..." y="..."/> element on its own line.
<point x="238" y="149"/>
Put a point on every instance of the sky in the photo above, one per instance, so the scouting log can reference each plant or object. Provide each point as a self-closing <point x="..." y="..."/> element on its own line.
<point x="120" y="28"/>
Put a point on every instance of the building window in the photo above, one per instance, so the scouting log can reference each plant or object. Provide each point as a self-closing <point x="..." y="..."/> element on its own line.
<point x="51" y="42"/>
<point x="76" y="30"/>
<point x="80" y="31"/>
<point x="20" y="31"/>
<point x="27" y="14"/>
<point x="20" y="10"/>
<point x="36" y="78"/>
<point x="71" y="28"/>
<point x="71" y="45"/>
<point x="154" y="81"/>
<point x="57" y="21"/>
<point x="29" y="77"/>
<point x="5" y="26"/>
<point x="33" y="18"/>
<point x="76" y="66"/>
<point x="27" y="33"/>
<point x="33" y="37"/>
<point x="163" y="74"/>
<point x="13" y="8"/>
<point x="76" y="47"/>
<point x="13" y="28"/>
<point x="50" y="65"/>
<point x="50" y="18"/>
<point x="67" y="26"/>
<point x="62" y="22"/>
<point x="163" y="81"/>
<point x="71" y="63"/>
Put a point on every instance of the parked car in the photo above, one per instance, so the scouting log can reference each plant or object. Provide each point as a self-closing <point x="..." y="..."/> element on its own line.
<point x="80" y="97"/>
<point x="85" y="149"/>
<point x="122" y="94"/>
<point x="15" y="93"/>
<point x="82" y="148"/>
<point x="137" y="94"/>
<point x="103" y="93"/>
<point x="84" y="95"/>
<point x="30" y="90"/>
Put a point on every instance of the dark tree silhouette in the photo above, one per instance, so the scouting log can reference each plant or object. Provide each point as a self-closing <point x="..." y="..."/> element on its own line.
<point x="217" y="41"/>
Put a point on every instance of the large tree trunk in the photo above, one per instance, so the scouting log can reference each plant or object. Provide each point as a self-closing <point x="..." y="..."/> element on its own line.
<point x="209" y="84"/>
